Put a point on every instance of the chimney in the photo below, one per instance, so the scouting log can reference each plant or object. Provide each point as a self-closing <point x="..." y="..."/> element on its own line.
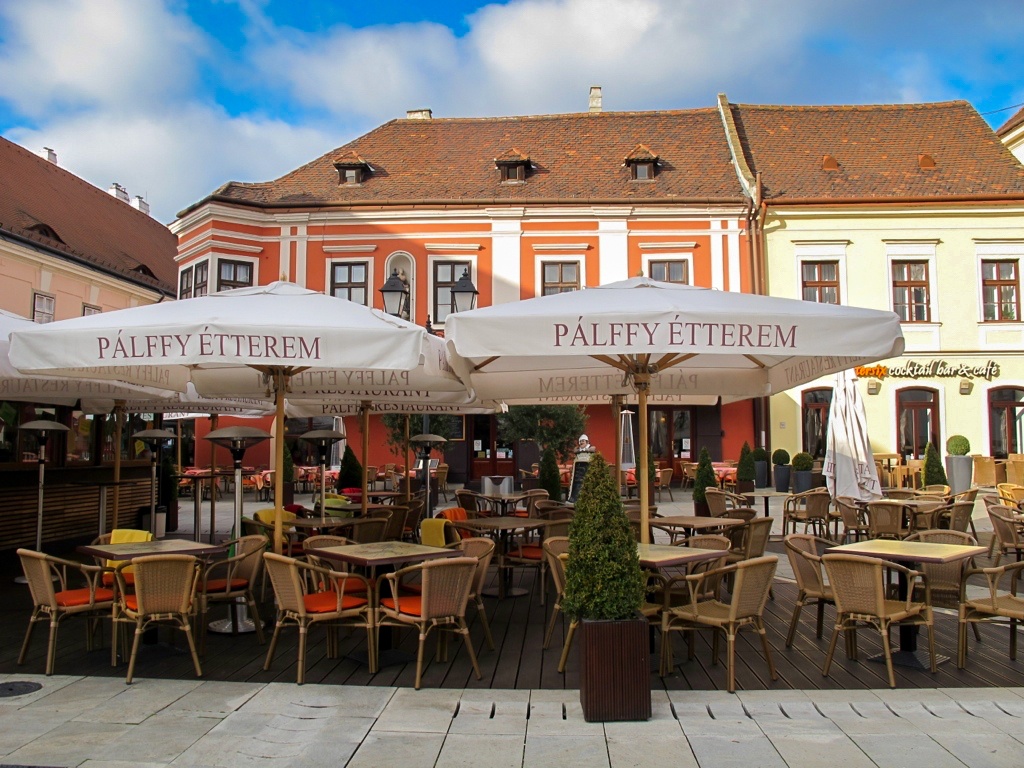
<point x="49" y="154"/>
<point x="419" y="114"/>
<point x="139" y="203"/>
<point x="595" y="98"/>
<point x="119" y="192"/>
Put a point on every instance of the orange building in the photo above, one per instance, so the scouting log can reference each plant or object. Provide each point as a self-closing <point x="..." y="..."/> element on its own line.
<point x="525" y="205"/>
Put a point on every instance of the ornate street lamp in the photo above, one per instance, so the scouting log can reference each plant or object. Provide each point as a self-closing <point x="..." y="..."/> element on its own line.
<point x="395" y="293"/>
<point x="464" y="293"/>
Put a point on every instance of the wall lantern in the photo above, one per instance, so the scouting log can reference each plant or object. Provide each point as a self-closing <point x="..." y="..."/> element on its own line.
<point x="966" y="386"/>
<point x="874" y="386"/>
<point x="395" y="293"/>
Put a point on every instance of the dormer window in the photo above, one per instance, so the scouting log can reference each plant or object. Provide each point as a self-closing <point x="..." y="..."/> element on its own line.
<point x="513" y="165"/>
<point x="352" y="169"/>
<point x="642" y="163"/>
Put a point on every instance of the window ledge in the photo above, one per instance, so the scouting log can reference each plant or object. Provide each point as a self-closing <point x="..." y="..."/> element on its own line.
<point x="929" y="326"/>
<point x="1001" y="325"/>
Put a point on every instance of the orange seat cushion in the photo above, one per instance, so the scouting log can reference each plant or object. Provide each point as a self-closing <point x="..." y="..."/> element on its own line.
<point x="131" y="602"/>
<point x="71" y="598"/>
<point x="108" y="578"/>
<point x="413" y="604"/>
<point x="528" y="552"/>
<point x="221" y="585"/>
<point x="326" y="602"/>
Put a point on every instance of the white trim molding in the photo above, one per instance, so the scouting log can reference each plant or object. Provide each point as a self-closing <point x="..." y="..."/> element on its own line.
<point x="821" y="250"/>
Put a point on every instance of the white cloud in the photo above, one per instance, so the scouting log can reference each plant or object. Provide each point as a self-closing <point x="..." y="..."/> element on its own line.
<point x="176" y="159"/>
<point x="85" y="54"/>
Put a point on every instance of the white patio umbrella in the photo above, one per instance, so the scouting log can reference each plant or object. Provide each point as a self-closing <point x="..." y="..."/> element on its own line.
<point x="710" y="342"/>
<point x="279" y="330"/>
<point x="849" y="466"/>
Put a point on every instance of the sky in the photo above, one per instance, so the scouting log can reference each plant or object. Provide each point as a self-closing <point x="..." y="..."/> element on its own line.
<point x="174" y="98"/>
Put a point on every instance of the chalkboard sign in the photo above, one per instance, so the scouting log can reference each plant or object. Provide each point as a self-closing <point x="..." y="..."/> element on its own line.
<point x="579" y="469"/>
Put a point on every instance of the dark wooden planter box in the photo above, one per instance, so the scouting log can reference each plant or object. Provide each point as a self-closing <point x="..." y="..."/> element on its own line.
<point x="615" y="670"/>
<point x="744" y="486"/>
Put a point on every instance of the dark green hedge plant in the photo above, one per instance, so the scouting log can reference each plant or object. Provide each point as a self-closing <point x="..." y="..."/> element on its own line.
<point x="603" y="578"/>
<point x="934" y="473"/>
<point x="780" y="457"/>
<point x="760" y="454"/>
<point x="705" y="476"/>
<point x="350" y="474"/>
<point x="549" y="477"/>
<point x="745" y="466"/>
<point x="803" y="462"/>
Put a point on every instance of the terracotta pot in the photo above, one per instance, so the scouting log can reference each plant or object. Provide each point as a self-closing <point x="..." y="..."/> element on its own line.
<point x="615" y="674"/>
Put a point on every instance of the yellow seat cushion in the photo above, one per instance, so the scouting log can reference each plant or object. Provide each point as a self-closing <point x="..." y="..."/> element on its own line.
<point x="127" y="536"/>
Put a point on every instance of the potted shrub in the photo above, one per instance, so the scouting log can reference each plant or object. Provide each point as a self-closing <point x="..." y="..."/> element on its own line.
<point x="934" y="474"/>
<point x="959" y="466"/>
<point x="287" y="478"/>
<point x="745" y="470"/>
<point x="350" y="473"/>
<point x="780" y="458"/>
<point x="704" y="478"/>
<point x="760" y="457"/>
<point x="604" y="590"/>
<point x="803" y="464"/>
<point x="550" y="479"/>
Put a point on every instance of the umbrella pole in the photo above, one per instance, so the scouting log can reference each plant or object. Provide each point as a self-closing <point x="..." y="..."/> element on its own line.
<point x="279" y="385"/>
<point x="405" y="478"/>
<point x="214" y="422"/>
<point x="617" y="461"/>
<point x="642" y="381"/>
<point x="364" y="418"/>
<point x="118" y="430"/>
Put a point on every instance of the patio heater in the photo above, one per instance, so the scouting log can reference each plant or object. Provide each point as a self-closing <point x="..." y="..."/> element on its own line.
<point x="45" y="429"/>
<point x="426" y="443"/>
<point x="323" y="439"/>
<point x="154" y="440"/>
<point x="237" y="440"/>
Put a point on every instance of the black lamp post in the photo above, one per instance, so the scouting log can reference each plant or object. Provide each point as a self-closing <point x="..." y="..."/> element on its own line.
<point x="426" y="443"/>
<point x="154" y="440"/>
<point x="395" y="293"/>
<point x="323" y="439"/>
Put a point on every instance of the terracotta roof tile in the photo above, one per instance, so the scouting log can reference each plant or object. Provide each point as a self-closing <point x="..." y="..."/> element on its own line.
<point x="878" y="149"/>
<point x="641" y="153"/>
<point x="92" y="226"/>
<point x="1014" y="122"/>
<point x="575" y="158"/>
<point x="512" y="156"/>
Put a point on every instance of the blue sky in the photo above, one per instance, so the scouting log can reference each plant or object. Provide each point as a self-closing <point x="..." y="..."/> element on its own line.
<point x="173" y="98"/>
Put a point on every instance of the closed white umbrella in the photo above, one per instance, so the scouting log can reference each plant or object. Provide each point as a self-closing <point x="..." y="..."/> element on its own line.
<point x="279" y="330"/>
<point x="849" y="465"/>
<point x="710" y="342"/>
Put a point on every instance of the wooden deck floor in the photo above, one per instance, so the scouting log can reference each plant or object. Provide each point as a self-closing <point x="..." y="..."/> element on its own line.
<point x="519" y="661"/>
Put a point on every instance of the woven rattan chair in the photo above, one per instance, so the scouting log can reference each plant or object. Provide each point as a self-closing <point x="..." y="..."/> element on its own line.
<point x="474" y="504"/>
<point x="446" y="585"/>
<point x="925" y="512"/>
<point x="483" y="550"/>
<point x="752" y="579"/>
<point x="395" y="529"/>
<point x="721" y="503"/>
<point x="859" y="587"/>
<point x="321" y="540"/>
<point x="439" y="532"/>
<point x="554" y="548"/>
<point x="885" y="520"/>
<point x="851" y="517"/>
<point x="441" y="481"/>
<point x="663" y="482"/>
<point x="993" y="606"/>
<point x="55" y="603"/>
<point x="118" y="536"/>
<point x="308" y="594"/>
<point x="165" y="591"/>
<point x="944" y="582"/>
<point x="935" y="488"/>
<point x="1007" y="533"/>
<point x="533" y="497"/>
<point x="369" y="530"/>
<point x="955" y="517"/>
<point x="804" y="554"/>
<point x="811" y="509"/>
<point x="901" y="493"/>
<point x="227" y="581"/>
<point x="675" y="590"/>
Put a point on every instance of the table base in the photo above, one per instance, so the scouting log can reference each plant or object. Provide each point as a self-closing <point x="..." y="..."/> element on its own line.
<point x="509" y="592"/>
<point x="913" y="659"/>
<point x="244" y="622"/>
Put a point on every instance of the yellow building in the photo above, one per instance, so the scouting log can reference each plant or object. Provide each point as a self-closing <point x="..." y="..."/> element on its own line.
<point x="918" y="209"/>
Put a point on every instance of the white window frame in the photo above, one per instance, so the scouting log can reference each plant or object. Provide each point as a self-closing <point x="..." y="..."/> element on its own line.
<point x="36" y="296"/>
<point x="215" y="260"/>
<point x="557" y="258"/>
<point x="899" y="252"/>
<point x="687" y="257"/>
<point x="210" y="274"/>
<point x="433" y="259"/>
<point x="812" y="252"/>
<point x="998" y="252"/>
<point x="356" y="257"/>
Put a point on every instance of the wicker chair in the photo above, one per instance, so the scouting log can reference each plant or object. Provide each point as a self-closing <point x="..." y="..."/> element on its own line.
<point x="810" y="508"/>
<point x="944" y="582"/>
<point x="533" y="497"/>
<point x="55" y="604"/>
<point x="901" y="493"/>
<point x="851" y="517"/>
<point x="446" y="586"/>
<point x="955" y="517"/>
<point x="118" y="536"/>
<point x="395" y="529"/>
<point x="369" y="530"/>
<point x="474" y="504"/>
<point x="1007" y="533"/>
<point x="994" y="605"/>
<point x="554" y="548"/>
<point x="752" y="580"/>
<point x="935" y="488"/>
<point x="441" y="481"/>
<point x="165" y="591"/>
<point x="483" y="550"/>
<point x="721" y="503"/>
<point x="228" y="580"/>
<point x="859" y="587"/>
<point x="804" y="554"/>
<point x="303" y="600"/>
<point x="885" y="520"/>
<point x="663" y="481"/>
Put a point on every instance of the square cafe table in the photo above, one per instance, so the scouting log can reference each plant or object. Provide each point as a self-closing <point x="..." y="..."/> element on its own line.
<point x="909" y="553"/>
<point x="766" y="494"/>
<point x="666" y="556"/>
<point x="133" y="549"/>
<point x="696" y="522"/>
<point x="503" y="526"/>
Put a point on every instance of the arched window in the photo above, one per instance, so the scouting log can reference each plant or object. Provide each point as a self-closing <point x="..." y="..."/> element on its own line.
<point x="816" y="404"/>
<point x="917" y="416"/>
<point x="1006" y="421"/>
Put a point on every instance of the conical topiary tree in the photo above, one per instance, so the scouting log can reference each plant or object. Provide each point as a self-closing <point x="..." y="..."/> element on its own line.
<point x="934" y="474"/>
<point x="350" y="474"/>
<point x="745" y="466"/>
<point x="549" y="478"/>
<point x="705" y="477"/>
<point x="603" y="579"/>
